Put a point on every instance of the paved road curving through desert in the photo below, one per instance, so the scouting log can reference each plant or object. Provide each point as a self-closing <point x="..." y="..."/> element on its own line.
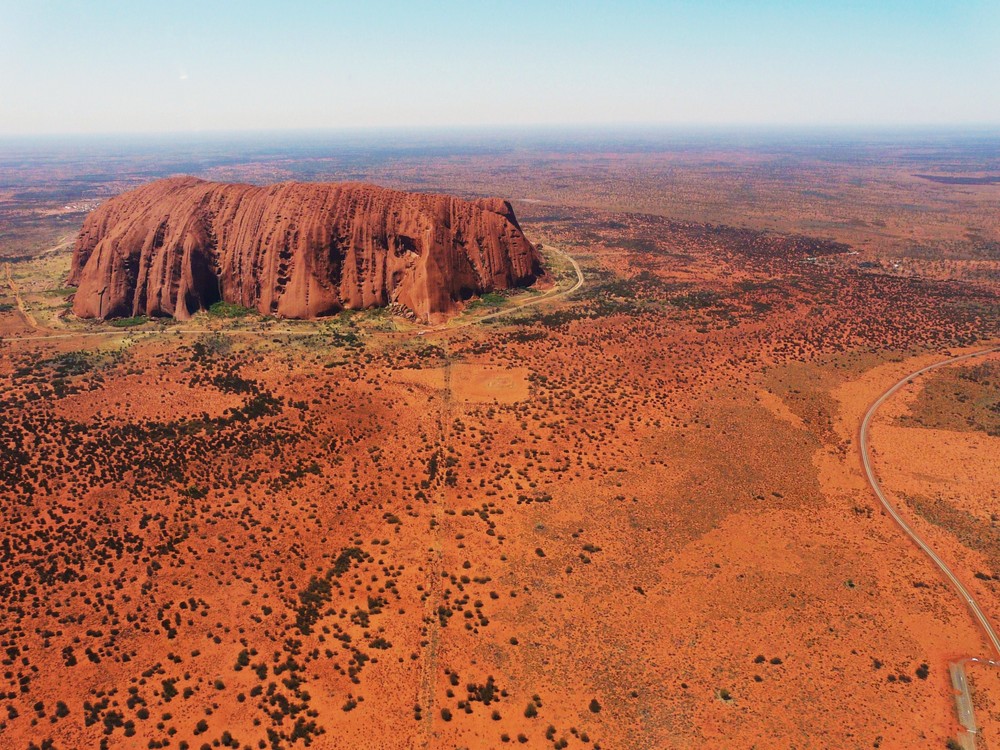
<point x="966" y="595"/>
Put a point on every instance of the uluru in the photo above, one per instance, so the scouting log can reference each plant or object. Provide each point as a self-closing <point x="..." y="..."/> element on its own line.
<point x="295" y="250"/>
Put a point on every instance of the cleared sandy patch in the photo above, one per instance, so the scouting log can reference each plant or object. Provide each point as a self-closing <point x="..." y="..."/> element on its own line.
<point x="779" y="409"/>
<point x="479" y="384"/>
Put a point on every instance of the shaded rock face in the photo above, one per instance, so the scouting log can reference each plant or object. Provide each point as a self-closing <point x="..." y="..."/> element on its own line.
<point x="296" y="250"/>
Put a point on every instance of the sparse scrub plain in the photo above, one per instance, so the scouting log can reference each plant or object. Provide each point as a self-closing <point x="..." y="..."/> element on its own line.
<point x="634" y="506"/>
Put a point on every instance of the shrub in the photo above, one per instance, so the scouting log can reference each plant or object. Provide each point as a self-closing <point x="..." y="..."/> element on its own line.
<point x="169" y="690"/>
<point x="223" y="309"/>
<point x="137" y="320"/>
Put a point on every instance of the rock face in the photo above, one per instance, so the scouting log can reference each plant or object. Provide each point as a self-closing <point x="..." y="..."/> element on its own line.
<point x="297" y="250"/>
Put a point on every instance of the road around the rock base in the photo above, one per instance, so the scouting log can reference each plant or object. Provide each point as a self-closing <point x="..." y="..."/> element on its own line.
<point x="549" y="296"/>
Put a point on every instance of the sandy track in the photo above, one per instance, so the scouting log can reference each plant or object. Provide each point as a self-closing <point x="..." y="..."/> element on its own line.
<point x="17" y="296"/>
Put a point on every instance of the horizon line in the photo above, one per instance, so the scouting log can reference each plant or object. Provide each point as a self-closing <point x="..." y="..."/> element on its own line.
<point x="589" y="127"/>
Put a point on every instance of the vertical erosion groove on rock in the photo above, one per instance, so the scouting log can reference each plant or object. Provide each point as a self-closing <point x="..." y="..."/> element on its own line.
<point x="296" y="250"/>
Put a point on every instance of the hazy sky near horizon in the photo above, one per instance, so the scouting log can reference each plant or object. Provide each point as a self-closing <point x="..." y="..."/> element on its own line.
<point x="184" y="65"/>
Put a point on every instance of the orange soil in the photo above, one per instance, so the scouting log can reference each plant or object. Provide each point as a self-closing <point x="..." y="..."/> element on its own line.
<point x="616" y="506"/>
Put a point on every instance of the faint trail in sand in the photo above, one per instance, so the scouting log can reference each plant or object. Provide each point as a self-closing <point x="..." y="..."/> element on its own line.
<point x="17" y="296"/>
<point x="428" y="675"/>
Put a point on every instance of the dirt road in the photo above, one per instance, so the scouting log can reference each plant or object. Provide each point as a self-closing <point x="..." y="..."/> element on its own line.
<point x="17" y="296"/>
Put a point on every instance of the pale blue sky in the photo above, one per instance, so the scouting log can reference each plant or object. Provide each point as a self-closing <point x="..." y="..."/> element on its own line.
<point x="97" y="66"/>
